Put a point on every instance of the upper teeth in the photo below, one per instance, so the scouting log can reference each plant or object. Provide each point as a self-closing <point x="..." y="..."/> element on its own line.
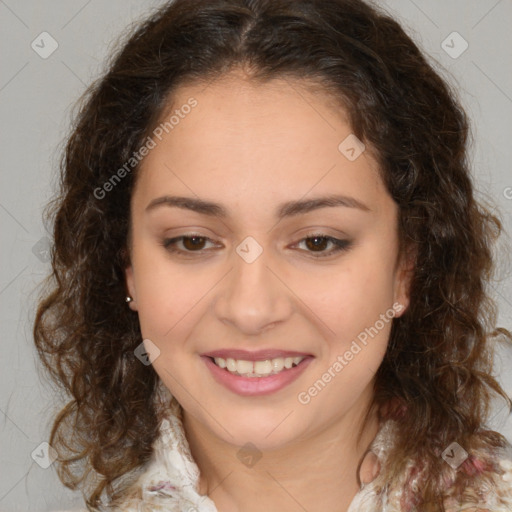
<point x="257" y="368"/>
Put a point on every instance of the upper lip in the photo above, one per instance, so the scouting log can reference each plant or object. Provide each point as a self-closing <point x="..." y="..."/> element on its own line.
<point x="253" y="355"/>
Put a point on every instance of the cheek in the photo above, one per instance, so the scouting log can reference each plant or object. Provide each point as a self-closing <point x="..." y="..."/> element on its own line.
<point x="353" y="297"/>
<point x="168" y="297"/>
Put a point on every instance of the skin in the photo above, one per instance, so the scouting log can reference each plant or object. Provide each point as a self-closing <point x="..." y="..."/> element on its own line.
<point x="250" y="148"/>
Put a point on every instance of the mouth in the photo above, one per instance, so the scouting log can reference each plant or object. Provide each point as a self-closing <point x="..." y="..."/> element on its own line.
<point x="257" y="369"/>
<point x="255" y="377"/>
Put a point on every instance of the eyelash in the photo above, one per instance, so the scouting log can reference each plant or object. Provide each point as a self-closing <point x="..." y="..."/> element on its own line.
<point x="339" y="245"/>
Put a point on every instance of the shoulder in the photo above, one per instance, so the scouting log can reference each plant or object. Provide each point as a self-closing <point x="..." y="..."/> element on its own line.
<point x="168" y="482"/>
<point x="488" y="482"/>
<point x="481" y="481"/>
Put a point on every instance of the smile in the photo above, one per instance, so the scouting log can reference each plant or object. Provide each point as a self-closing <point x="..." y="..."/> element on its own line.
<point x="253" y="369"/>
<point x="259" y="377"/>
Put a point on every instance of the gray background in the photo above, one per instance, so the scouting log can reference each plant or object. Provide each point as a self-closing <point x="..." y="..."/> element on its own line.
<point x="36" y="97"/>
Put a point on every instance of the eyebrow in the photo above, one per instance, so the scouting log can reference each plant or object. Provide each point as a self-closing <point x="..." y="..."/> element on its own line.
<point x="288" y="209"/>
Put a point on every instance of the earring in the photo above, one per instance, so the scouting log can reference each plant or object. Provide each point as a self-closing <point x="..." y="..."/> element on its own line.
<point x="128" y="299"/>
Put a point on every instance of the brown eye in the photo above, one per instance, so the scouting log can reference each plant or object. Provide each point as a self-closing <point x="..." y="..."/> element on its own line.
<point x="317" y="242"/>
<point x="189" y="244"/>
<point x="193" y="242"/>
<point x="316" y="245"/>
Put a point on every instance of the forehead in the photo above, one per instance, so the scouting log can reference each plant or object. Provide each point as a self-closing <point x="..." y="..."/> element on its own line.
<point x="280" y="139"/>
<point x="276" y="113"/>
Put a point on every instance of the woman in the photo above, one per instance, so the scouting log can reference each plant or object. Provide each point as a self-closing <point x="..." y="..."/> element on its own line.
<point x="269" y="273"/>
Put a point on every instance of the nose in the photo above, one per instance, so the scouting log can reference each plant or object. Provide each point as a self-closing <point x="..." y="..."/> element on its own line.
<point x="254" y="296"/>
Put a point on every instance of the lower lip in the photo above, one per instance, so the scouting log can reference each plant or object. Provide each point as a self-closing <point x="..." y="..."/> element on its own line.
<point x="256" y="386"/>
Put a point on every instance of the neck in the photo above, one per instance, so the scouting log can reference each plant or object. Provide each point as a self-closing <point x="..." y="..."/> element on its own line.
<point x="317" y="472"/>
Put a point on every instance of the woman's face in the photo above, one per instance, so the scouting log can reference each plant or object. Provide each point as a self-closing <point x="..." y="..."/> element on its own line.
<point x="255" y="166"/>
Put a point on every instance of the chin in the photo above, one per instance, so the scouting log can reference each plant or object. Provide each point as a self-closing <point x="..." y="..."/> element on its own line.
<point x="265" y="433"/>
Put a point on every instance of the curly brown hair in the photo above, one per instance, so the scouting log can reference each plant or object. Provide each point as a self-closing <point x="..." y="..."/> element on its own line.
<point x="439" y="360"/>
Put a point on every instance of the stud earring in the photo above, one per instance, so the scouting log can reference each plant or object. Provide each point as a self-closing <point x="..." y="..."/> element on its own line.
<point x="128" y="299"/>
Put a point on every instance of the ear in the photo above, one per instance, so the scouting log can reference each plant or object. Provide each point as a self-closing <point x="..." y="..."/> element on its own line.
<point x="403" y="278"/>
<point x="130" y="286"/>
